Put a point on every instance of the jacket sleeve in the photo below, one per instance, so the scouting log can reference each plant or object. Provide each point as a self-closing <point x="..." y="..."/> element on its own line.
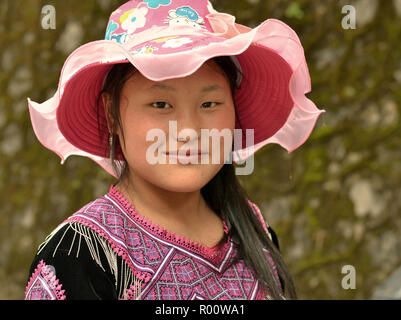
<point x="274" y="237"/>
<point x="65" y="268"/>
<point x="270" y="232"/>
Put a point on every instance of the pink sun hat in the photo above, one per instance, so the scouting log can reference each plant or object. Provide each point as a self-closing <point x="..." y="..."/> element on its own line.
<point x="167" y="39"/>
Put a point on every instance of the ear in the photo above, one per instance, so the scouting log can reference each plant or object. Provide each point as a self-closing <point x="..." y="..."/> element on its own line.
<point x="172" y="14"/>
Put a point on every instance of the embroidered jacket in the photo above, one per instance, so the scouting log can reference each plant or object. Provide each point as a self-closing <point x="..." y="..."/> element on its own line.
<point x="107" y="250"/>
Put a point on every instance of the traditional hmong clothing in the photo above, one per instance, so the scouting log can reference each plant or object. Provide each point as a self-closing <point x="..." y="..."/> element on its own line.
<point x="106" y="250"/>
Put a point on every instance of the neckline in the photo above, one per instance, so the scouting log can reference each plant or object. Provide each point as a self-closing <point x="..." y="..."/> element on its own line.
<point x="209" y="252"/>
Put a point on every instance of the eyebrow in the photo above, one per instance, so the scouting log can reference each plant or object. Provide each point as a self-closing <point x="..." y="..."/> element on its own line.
<point x="163" y="86"/>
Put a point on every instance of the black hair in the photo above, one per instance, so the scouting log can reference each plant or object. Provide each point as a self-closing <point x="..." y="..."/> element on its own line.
<point x="223" y="193"/>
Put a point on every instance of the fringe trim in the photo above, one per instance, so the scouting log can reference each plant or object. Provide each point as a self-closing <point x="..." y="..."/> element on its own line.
<point x="134" y="291"/>
<point x="129" y="281"/>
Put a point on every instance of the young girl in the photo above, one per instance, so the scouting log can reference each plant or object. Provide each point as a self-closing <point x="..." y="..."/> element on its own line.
<point x="176" y="224"/>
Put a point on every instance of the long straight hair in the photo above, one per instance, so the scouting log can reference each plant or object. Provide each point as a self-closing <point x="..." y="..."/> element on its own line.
<point x="223" y="193"/>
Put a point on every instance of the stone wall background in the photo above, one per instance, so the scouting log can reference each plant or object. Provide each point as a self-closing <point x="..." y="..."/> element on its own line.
<point x="333" y="202"/>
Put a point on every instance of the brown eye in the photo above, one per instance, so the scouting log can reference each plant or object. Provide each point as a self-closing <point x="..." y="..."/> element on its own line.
<point x="160" y="105"/>
<point x="208" y="104"/>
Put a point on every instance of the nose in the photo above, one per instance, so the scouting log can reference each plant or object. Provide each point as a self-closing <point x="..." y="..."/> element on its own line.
<point x="182" y="139"/>
<point x="188" y="125"/>
<point x="187" y="134"/>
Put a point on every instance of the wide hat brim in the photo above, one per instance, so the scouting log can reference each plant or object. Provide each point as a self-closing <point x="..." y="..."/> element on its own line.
<point x="270" y="99"/>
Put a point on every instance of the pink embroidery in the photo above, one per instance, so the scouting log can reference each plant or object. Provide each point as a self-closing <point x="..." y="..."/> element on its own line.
<point x="165" y="234"/>
<point x="43" y="285"/>
<point x="265" y="225"/>
<point x="165" y="265"/>
<point x="259" y="215"/>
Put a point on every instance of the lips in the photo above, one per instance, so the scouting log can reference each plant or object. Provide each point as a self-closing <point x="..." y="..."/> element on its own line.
<point x="187" y="153"/>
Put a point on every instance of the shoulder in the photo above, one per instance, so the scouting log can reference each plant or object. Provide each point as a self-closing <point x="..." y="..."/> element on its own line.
<point x="258" y="213"/>
<point x="75" y="261"/>
<point x="272" y="235"/>
<point x="66" y="266"/>
<point x="268" y="229"/>
<point x="88" y="254"/>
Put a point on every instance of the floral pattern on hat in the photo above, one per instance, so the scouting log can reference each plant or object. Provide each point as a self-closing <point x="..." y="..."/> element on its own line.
<point x="129" y="21"/>
<point x="111" y="27"/>
<point x="172" y="44"/>
<point x="164" y="39"/>
<point x="154" y="4"/>
<point x="144" y="50"/>
<point x="133" y="19"/>
<point x="176" y="43"/>
<point x="121" y="38"/>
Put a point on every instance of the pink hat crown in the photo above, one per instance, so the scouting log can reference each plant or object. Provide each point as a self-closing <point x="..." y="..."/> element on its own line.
<point x="136" y="16"/>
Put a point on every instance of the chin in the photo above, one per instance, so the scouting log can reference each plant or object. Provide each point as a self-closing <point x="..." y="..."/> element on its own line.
<point x="185" y="178"/>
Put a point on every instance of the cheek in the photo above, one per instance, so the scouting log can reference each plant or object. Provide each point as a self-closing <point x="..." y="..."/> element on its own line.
<point x="228" y="120"/>
<point x="136" y="126"/>
<point x="221" y="128"/>
<point x="225" y="120"/>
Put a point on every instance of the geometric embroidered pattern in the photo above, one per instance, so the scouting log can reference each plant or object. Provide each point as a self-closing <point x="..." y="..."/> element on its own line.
<point x="43" y="285"/>
<point x="169" y="266"/>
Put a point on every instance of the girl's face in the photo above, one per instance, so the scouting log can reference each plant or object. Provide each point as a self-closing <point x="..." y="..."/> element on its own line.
<point x="202" y="100"/>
